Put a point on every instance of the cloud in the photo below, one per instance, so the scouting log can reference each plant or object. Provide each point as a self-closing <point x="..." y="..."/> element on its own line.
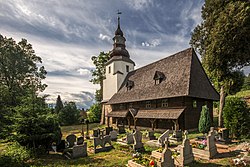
<point x="84" y="72"/>
<point x="152" y="43"/>
<point x="139" y="4"/>
<point x="82" y="99"/>
<point x="66" y="34"/>
<point x="104" y="37"/>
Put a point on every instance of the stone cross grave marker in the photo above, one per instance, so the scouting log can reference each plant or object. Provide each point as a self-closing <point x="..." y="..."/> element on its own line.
<point x="138" y="145"/>
<point x="130" y="138"/>
<point x="166" y="159"/>
<point x="211" y="143"/>
<point x="186" y="153"/>
<point x="162" y="138"/>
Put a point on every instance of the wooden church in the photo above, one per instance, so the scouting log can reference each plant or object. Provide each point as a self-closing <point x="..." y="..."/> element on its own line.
<point x="166" y="94"/>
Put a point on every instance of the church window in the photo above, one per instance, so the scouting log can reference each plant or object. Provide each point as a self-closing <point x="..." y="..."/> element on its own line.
<point x="148" y="104"/>
<point x="194" y="104"/>
<point x="159" y="77"/>
<point x="109" y="69"/>
<point x="127" y="68"/>
<point x="164" y="103"/>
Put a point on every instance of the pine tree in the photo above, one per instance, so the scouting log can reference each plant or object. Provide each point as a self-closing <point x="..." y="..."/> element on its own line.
<point x="205" y="121"/>
<point x="59" y="104"/>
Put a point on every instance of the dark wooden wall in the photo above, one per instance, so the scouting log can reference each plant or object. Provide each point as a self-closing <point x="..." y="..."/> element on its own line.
<point x="189" y="119"/>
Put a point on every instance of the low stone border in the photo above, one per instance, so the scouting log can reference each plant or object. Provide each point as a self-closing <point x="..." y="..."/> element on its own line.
<point x="132" y="163"/>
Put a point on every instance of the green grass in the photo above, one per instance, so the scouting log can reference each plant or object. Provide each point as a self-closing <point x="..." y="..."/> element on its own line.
<point x="77" y="129"/>
<point x="117" y="157"/>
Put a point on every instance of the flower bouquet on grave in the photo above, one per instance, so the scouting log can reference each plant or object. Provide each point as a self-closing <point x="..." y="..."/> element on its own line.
<point x="145" y="161"/>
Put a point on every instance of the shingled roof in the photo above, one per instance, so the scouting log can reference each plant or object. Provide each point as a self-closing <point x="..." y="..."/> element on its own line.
<point x="184" y="76"/>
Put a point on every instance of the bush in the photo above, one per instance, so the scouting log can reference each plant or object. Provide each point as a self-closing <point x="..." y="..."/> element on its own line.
<point x="94" y="113"/>
<point x="205" y="121"/>
<point x="15" y="155"/>
<point x="236" y="117"/>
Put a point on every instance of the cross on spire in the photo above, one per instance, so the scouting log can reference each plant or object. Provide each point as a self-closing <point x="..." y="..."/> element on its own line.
<point x="118" y="16"/>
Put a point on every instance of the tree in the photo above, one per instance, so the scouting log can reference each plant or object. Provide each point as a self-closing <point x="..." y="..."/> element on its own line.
<point x="99" y="73"/>
<point x="94" y="113"/>
<point x="34" y="125"/>
<point x="222" y="39"/>
<point x="59" y="104"/>
<point x="69" y="114"/>
<point x="236" y="117"/>
<point x="18" y="69"/>
<point x="98" y="76"/>
<point x="19" y="72"/>
<point x="205" y="120"/>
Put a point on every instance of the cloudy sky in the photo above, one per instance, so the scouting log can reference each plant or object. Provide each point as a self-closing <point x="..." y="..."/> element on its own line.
<point x="67" y="33"/>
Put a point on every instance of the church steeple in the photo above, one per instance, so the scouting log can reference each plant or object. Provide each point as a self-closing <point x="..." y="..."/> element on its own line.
<point x="118" y="66"/>
<point x="119" y="47"/>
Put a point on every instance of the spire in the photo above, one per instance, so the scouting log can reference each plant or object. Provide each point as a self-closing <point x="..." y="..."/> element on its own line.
<point x="119" y="51"/>
<point x="118" y="30"/>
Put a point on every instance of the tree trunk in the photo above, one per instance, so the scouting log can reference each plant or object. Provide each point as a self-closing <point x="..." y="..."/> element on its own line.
<point x="222" y="103"/>
<point x="102" y="122"/>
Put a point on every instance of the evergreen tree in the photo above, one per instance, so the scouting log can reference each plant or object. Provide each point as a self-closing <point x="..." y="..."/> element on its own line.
<point x="223" y="40"/>
<point x="69" y="114"/>
<point x="205" y="120"/>
<point x="59" y="104"/>
<point x="33" y="125"/>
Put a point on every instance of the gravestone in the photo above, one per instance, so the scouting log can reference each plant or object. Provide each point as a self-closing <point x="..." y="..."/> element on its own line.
<point x="162" y="138"/>
<point x="177" y="136"/>
<point x="166" y="159"/>
<point x="71" y="140"/>
<point x="186" y="153"/>
<point x="113" y="135"/>
<point x="79" y="150"/>
<point x="102" y="141"/>
<point x="96" y="132"/>
<point x="211" y="147"/>
<point x="121" y="129"/>
<point x="129" y="138"/>
<point x="224" y="136"/>
<point x="108" y="130"/>
<point x="151" y="135"/>
<point x="138" y="145"/>
<point x="80" y="140"/>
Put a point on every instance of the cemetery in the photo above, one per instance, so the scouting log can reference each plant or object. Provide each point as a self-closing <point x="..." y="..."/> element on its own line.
<point x="135" y="149"/>
<point x="179" y="98"/>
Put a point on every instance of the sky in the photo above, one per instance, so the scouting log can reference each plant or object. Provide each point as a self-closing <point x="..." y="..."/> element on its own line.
<point x="67" y="33"/>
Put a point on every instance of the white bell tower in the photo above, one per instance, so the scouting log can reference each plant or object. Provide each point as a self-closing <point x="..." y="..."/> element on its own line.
<point x="118" y="66"/>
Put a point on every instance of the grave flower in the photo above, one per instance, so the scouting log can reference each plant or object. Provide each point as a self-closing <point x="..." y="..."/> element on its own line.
<point x="152" y="163"/>
<point x="204" y="142"/>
